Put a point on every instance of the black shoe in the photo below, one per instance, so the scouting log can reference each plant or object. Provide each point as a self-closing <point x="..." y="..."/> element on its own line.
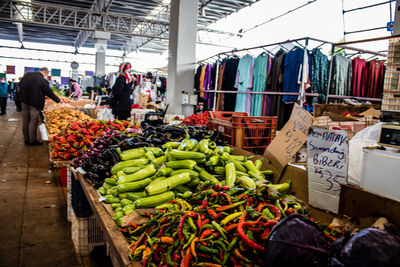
<point x="19" y="109"/>
<point x="26" y="143"/>
<point x="36" y="143"/>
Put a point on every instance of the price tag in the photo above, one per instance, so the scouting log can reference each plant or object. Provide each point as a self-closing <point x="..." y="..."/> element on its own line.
<point x="221" y="129"/>
<point x="327" y="152"/>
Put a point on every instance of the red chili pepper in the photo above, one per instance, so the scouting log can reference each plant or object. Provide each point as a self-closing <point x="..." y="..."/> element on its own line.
<point x="247" y="198"/>
<point x="175" y="257"/>
<point x="204" y="256"/>
<point x="227" y="196"/>
<point x="133" y="225"/>
<point x="199" y="224"/>
<point x="182" y="222"/>
<point x="213" y="214"/>
<point x="204" y="205"/>
<point x="265" y="234"/>
<point x="231" y="227"/>
<point x="186" y="258"/>
<point x="225" y="187"/>
<point x="204" y="222"/>
<point x="217" y="187"/>
<point x="272" y="207"/>
<point x="246" y="239"/>
<point x="214" y="194"/>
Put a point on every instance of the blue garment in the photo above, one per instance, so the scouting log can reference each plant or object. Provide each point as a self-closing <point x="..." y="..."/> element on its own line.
<point x="3" y="89"/>
<point x="292" y="73"/>
<point x="244" y="80"/>
<point x="260" y="78"/>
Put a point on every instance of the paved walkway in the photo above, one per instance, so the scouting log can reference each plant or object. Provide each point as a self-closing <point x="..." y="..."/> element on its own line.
<point x="34" y="228"/>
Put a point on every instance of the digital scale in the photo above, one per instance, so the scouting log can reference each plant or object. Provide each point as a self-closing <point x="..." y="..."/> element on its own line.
<point x="390" y="135"/>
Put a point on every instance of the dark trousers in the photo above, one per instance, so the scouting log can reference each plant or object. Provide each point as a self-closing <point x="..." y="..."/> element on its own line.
<point x="18" y="105"/>
<point x="30" y="121"/>
<point x="122" y="115"/>
<point x="3" y="104"/>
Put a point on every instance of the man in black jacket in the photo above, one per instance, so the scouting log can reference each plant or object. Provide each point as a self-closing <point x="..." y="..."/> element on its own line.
<point x="33" y="89"/>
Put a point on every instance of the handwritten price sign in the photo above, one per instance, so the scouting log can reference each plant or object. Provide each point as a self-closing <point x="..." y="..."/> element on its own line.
<point x="327" y="152"/>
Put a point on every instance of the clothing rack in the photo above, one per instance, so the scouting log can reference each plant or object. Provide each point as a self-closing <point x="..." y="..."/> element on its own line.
<point x="302" y="94"/>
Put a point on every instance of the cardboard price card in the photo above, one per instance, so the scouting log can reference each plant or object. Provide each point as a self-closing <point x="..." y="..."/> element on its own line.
<point x="328" y="153"/>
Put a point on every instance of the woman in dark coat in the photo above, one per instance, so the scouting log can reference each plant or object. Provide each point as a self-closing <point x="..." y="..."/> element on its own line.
<point x="121" y="94"/>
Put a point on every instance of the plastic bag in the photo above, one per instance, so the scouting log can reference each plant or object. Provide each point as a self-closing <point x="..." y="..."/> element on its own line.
<point x="43" y="132"/>
<point x="370" y="247"/>
<point x="296" y="241"/>
<point x="105" y="114"/>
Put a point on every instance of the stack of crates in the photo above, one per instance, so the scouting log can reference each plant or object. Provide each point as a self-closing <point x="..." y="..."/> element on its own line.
<point x="222" y="122"/>
<point x="391" y="88"/>
<point x="86" y="234"/>
<point x="70" y="212"/>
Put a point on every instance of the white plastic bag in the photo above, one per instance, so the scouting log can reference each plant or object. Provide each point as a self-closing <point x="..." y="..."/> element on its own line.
<point x="105" y="114"/>
<point x="43" y="132"/>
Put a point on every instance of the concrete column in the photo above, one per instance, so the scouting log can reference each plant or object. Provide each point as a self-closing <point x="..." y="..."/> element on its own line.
<point x="182" y="54"/>
<point x="100" y="43"/>
<point x="396" y="26"/>
<point x="74" y="72"/>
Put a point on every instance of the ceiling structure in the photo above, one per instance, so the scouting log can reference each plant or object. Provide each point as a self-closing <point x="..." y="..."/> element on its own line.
<point x="135" y="25"/>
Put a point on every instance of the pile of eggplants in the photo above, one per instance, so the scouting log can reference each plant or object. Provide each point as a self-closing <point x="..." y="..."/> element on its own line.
<point x="157" y="136"/>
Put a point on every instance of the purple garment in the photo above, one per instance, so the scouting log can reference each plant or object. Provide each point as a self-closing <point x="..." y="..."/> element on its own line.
<point x="207" y="85"/>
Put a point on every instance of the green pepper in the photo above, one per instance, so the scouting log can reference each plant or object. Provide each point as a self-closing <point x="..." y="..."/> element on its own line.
<point x="150" y="156"/>
<point x="230" y="174"/>
<point x="159" y="160"/>
<point x="204" y="146"/>
<point x="219" y="229"/>
<point x="258" y="163"/>
<point x="219" y="150"/>
<point x="102" y="191"/>
<point x="164" y="171"/>
<point x="208" y="249"/>
<point x="212" y="145"/>
<point x="171" y="145"/>
<point x="132" y="154"/>
<point x="251" y="167"/>
<point x="191" y="144"/>
<point x="205" y="176"/>
<point x="155" y="150"/>
<point x="213" y="160"/>
<point x="228" y="149"/>
<point x="181" y="164"/>
<point x="183" y="144"/>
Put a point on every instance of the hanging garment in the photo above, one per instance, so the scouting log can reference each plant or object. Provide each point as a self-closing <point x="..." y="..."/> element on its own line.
<point x="275" y="84"/>
<point x="341" y="75"/>
<point x="244" y="80"/>
<point x="292" y="74"/>
<point x="228" y="83"/>
<point x="266" y="98"/>
<point x="376" y="74"/>
<point x="202" y="76"/>
<point x="197" y="77"/>
<point x="260" y="77"/>
<point x="320" y="64"/>
<point x="207" y="85"/>
<point x="359" y="77"/>
<point x="220" y="96"/>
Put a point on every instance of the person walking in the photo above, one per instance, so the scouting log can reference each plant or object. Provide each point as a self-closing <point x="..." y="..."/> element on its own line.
<point x="17" y="102"/>
<point x="11" y="89"/>
<point x="75" y="88"/>
<point x="121" y="93"/>
<point x="33" y="89"/>
<point x="3" y="96"/>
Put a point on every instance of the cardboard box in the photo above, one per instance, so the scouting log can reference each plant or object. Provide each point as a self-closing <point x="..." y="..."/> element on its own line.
<point x="143" y="100"/>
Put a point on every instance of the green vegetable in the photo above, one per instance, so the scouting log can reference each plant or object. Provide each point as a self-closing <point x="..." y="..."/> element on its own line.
<point x="167" y="184"/>
<point x="128" y="209"/>
<point x="255" y="175"/>
<point x="238" y="158"/>
<point x="153" y="201"/>
<point x="267" y="172"/>
<point x="204" y="146"/>
<point x="192" y="173"/>
<point x="182" y="189"/>
<point x="191" y="144"/>
<point x="181" y="164"/>
<point x="205" y="176"/>
<point x="213" y="160"/>
<point x="159" y="160"/>
<point x="133" y="186"/>
<point x="239" y="166"/>
<point x="193" y="183"/>
<point x="219" y="170"/>
<point x="115" y="205"/>
<point x="114" y="191"/>
<point x="258" y="163"/>
<point x="132" y="195"/>
<point x="128" y="163"/>
<point x="212" y="145"/>
<point x="228" y="149"/>
<point x="118" y="215"/>
<point x="239" y="173"/>
<point x="139" y="175"/>
<point x="155" y="150"/>
<point x="164" y="171"/>
<point x="183" y="144"/>
<point x="132" y="154"/>
<point x="177" y="154"/>
<point x="171" y="145"/>
<point x="111" y="199"/>
<point x="117" y="208"/>
<point x="246" y="182"/>
<point x="107" y="186"/>
<point x="110" y="181"/>
<point x="158" y="179"/>
<point x="126" y="202"/>
<point x="219" y="150"/>
<point x="102" y="191"/>
<point x="281" y="188"/>
<point x="130" y="170"/>
<point x="251" y="167"/>
<point x="230" y="174"/>
<point x="150" y="156"/>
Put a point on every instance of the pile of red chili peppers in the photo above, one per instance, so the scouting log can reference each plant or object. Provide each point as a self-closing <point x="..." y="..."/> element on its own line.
<point x="213" y="227"/>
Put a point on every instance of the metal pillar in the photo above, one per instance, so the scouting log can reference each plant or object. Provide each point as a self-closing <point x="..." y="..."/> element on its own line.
<point x="101" y="47"/>
<point x="182" y="54"/>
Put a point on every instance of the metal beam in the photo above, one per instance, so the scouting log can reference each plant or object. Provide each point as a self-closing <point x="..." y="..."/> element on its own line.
<point x="82" y="19"/>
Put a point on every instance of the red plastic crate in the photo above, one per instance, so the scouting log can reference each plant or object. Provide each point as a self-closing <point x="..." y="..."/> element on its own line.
<point x="225" y="129"/>
<point x="226" y="115"/>
<point x="64" y="176"/>
<point x="253" y="133"/>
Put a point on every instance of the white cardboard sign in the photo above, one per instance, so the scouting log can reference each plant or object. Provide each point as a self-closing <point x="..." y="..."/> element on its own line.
<point x="327" y="152"/>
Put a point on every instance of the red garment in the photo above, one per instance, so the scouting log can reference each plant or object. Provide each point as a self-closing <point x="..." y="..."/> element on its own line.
<point x="376" y="74"/>
<point x="359" y="78"/>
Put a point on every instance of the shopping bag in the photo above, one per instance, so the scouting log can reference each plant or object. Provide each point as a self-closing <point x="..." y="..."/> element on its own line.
<point x="43" y="132"/>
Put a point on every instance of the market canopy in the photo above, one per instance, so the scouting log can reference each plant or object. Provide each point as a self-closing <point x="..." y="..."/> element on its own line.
<point x="134" y="24"/>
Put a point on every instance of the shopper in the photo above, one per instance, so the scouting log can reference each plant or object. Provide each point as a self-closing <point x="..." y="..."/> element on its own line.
<point x="75" y="89"/>
<point x="17" y="102"/>
<point x="33" y="89"/>
<point x="121" y="93"/>
<point x="3" y="95"/>
<point x="11" y="89"/>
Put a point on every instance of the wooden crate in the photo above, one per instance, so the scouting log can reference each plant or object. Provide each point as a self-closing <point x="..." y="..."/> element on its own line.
<point x="392" y="79"/>
<point x="391" y="101"/>
<point x="394" y="51"/>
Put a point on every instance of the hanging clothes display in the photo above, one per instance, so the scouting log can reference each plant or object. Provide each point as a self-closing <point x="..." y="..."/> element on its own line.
<point x="220" y="97"/>
<point x="376" y="74"/>
<point x="292" y="74"/>
<point x="228" y="83"/>
<point x="341" y="76"/>
<point x="244" y="81"/>
<point x="266" y="98"/>
<point x="197" y="77"/>
<point x="202" y="76"/>
<point x="260" y="77"/>
<point x="207" y="85"/>
<point x="359" y="77"/>
<point x="320" y="64"/>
